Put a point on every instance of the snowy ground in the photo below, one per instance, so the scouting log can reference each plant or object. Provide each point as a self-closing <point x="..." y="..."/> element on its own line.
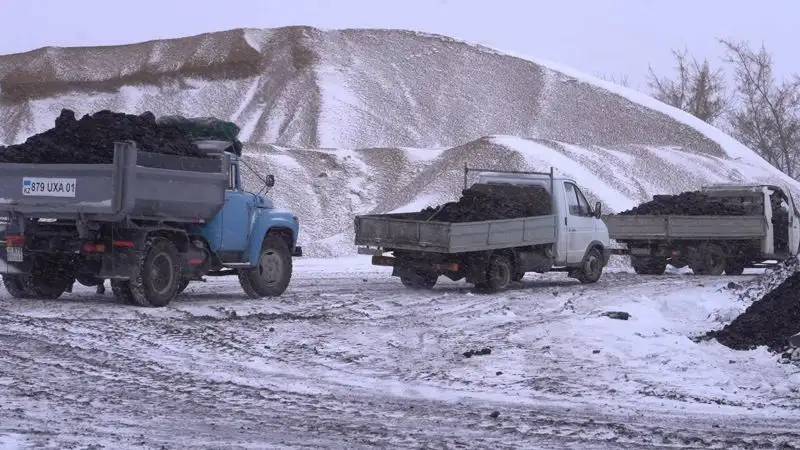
<point x="349" y="358"/>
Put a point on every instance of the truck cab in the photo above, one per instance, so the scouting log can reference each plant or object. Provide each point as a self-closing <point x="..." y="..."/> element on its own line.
<point x="579" y="227"/>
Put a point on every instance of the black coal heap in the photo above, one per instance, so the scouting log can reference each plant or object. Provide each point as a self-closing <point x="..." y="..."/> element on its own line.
<point x="692" y="203"/>
<point x="90" y="140"/>
<point x="493" y="202"/>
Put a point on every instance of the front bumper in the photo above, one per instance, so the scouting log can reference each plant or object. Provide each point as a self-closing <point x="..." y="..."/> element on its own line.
<point x="298" y="251"/>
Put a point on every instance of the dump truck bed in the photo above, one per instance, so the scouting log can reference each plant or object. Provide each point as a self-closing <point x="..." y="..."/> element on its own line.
<point x="137" y="185"/>
<point x="674" y="227"/>
<point x="406" y="231"/>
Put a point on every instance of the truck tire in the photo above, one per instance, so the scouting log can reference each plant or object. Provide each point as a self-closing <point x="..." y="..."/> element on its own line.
<point x="17" y="286"/>
<point x="158" y="274"/>
<point x="733" y="267"/>
<point x="646" y="265"/>
<point x="420" y="280"/>
<point x="712" y="260"/>
<point x="271" y="276"/>
<point x="592" y="267"/>
<point x="122" y="291"/>
<point x="184" y="284"/>
<point x="498" y="274"/>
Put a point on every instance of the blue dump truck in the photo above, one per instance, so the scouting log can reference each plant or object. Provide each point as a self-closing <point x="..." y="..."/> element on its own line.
<point x="148" y="222"/>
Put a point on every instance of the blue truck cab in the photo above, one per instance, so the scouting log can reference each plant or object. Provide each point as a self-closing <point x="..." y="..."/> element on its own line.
<point x="249" y="235"/>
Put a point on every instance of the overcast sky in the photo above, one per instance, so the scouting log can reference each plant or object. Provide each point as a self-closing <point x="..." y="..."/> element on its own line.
<point x="611" y="37"/>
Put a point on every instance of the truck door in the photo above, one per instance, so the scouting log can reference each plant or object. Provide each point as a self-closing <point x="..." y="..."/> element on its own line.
<point x="236" y="215"/>
<point x="579" y="221"/>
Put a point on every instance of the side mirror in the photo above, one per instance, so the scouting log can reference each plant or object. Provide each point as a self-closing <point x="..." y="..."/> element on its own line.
<point x="598" y="210"/>
<point x="270" y="180"/>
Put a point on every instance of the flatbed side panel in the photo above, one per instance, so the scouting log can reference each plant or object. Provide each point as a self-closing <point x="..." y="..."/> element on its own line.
<point x="637" y="227"/>
<point x="387" y="231"/>
<point x="490" y="235"/>
<point x="96" y="189"/>
<point x="686" y="227"/>
<point x="710" y="227"/>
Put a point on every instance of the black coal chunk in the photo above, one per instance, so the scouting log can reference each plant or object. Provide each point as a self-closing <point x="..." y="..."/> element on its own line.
<point x="692" y="203"/>
<point x="769" y="321"/>
<point x="90" y="140"/>
<point x="493" y="202"/>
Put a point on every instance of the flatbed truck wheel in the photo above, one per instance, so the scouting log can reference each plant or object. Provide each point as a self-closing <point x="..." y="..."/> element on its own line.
<point x="647" y="265"/>
<point x="16" y="286"/>
<point x="498" y="274"/>
<point x="271" y="276"/>
<point x="712" y="260"/>
<point x="420" y="280"/>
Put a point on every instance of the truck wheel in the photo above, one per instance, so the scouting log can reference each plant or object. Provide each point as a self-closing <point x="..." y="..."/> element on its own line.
<point x="591" y="268"/>
<point x="17" y="286"/>
<point x="122" y="291"/>
<point x="498" y="274"/>
<point x="648" y="265"/>
<point x="271" y="276"/>
<point x="158" y="275"/>
<point x="712" y="261"/>
<point x="733" y="267"/>
<point x="184" y="284"/>
<point x="420" y="280"/>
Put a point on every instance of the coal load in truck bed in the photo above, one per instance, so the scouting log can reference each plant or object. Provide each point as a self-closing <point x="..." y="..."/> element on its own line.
<point x="769" y="321"/>
<point x="693" y="203"/>
<point x="493" y="202"/>
<point x="90" y="140"/>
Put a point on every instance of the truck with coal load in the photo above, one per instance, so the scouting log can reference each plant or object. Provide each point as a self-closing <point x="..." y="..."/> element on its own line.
<point x="506" y="224"/>
<point x="149" y="222"/>
<point x="723" y="228"/>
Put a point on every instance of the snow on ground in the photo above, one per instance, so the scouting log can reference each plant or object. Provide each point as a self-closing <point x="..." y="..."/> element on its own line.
<point x="349" y="358"/>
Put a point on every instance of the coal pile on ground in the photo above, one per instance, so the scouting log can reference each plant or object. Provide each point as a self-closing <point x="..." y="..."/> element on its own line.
<point x="493" y="202"/>
<point x="770" y="321"/>
<point x="90" y="140"/>
<point x="692" y="203"/>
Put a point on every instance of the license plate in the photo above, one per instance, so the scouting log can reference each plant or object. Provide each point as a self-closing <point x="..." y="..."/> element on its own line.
<point x="49" y="187"/>
<point x="14" y="254"/>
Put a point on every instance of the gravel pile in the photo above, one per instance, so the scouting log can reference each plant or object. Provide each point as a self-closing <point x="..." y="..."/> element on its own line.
<point x="493" y="202"/>
<point x="692" y="203"/>
<point x="90" y="140"/>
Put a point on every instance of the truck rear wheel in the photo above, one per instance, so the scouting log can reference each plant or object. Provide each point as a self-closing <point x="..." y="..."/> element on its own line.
<point x="158" y="275"/>
<point x="419" y="280"/>
<point x="122" y="291"/>
<point x="646" y="265"/>
<point x="498" y="274"/>
<point x="711" y="261"/>
<point x="271" y="276"/>
<point x="734" y="267"/>
<point x="17" y="286"/>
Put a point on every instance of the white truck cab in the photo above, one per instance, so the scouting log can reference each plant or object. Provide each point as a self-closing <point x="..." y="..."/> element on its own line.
<point x="579" y="227"/>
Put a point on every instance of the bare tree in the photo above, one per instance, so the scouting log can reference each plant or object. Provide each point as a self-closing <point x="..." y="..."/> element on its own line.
<point x="695" y="88"/>
<point x="767" y="116"/>
<point x="621" y="80"/>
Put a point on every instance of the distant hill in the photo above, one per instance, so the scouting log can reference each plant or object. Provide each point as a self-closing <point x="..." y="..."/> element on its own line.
<point x="417" y="106"/>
